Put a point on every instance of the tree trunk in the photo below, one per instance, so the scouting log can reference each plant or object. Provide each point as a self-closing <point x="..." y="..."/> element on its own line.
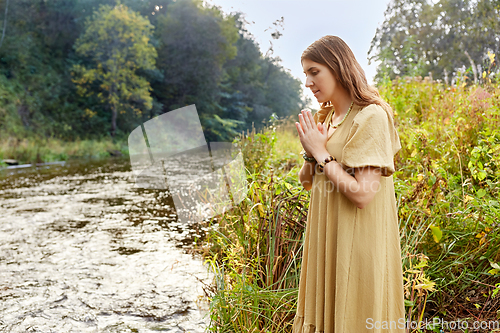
<point x="473" y="65"/>
<point x="113" y="120"/>
<point x="269" y="70"/>
<point x="4" y="22"/>
<point x="114" y="111"/>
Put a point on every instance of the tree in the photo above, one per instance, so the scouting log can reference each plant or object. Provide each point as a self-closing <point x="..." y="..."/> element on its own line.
<point x="194" y="43"/>
<point x="256" y="86"/>
<point x="418" y="37"/>
<point x="4" y="22"/>
<point x="63" y="83"/>
<point x="117" y="41"/>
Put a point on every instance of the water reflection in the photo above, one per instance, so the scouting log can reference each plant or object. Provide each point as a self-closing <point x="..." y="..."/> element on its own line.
<point x="82" y="250"/>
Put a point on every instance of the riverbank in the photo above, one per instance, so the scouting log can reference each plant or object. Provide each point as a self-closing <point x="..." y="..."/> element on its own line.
<point x="44" y="150"/>
<point x="448" y="194"/>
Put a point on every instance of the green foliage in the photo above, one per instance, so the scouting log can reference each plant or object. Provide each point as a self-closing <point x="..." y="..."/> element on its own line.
<point x="255" y="248"/>
<point x="256" y="252"/>
<point x="447" y="183"/>
<point x="197" y="41"/>
<point x="31" y="64"/>
<point x="419" y="37"/>
<point x="254" y="87"/>
<point x="447" y="188"/>
<point x="118" y="42"/>
<point x="27" y="151"/>
<point x="205" y="57"/>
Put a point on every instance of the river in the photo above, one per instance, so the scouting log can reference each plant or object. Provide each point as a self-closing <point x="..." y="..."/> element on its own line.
<point x="82" y="250"/>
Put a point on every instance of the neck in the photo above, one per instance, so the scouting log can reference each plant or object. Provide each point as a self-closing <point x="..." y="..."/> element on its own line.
<point x="341" y="103"/>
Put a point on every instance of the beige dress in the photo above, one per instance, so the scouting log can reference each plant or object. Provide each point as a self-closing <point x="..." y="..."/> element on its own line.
<point x="351" y="277"/>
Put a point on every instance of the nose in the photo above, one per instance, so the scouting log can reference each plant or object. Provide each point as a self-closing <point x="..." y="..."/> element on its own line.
<point x="309" y="82"/>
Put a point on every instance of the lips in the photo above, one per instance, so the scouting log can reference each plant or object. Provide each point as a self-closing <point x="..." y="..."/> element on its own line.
<point x="315" y="92"/>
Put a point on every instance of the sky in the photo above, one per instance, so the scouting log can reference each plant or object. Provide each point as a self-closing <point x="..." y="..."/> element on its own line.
<point x="304" y="21"/>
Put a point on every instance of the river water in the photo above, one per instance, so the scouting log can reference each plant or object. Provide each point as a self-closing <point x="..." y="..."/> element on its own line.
<point x="82" y="250"/>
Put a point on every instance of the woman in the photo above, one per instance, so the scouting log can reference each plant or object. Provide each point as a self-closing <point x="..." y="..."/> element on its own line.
<point x="351" y="278"/>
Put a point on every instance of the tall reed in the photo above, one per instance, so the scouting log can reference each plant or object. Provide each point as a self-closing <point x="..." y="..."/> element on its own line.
<point x="256" y="247"/>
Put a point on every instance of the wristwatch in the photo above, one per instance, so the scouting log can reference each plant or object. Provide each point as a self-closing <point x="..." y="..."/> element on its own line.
<point x="307" y="158"/>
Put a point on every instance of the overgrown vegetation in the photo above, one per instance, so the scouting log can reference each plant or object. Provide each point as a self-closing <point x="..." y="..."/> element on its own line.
<point x="96" y="69"/>
<point x="447" y="187"/>
<point x="51" y="150"/>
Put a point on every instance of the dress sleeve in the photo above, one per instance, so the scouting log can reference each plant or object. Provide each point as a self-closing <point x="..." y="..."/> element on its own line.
<point x="372" y="141"/>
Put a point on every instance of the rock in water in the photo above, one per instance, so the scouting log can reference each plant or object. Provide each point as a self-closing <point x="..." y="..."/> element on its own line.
<point x="11" y="162"/>
<point x="114" y="152"/>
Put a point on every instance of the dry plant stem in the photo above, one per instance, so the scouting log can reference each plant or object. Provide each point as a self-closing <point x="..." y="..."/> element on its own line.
<point x="489" y="285"/>
<point x="460" y="164"/>
<point x="482" y="309"/>
<point x="423" y="309"/>
<point x="412" y="291"/>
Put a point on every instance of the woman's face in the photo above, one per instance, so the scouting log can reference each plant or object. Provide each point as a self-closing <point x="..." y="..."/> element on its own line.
<point x="320" y="80"/>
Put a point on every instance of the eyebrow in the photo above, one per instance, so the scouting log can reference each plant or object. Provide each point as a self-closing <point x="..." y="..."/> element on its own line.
<point x="310" y="69"/>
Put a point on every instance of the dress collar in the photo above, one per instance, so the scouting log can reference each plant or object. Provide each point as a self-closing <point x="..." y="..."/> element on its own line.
<point x="323" y="113"/>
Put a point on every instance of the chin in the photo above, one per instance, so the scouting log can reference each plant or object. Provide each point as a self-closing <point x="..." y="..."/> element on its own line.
<point x="321" y="100"/>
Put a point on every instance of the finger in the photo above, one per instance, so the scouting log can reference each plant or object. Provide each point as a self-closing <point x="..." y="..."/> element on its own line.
<point x="307" y="121"/>
<point x="302" y="123"/>
<point x="324" y="129"/>
<point x="311" y="119"/>
<point x="299" y="129"/>
<point x="320" y="128"/>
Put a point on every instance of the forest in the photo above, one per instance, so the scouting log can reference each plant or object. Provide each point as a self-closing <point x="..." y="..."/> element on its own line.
<point x="91" y="70"/>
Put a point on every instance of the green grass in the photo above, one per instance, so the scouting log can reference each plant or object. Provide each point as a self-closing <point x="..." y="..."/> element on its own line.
<point x="49" y="150"/>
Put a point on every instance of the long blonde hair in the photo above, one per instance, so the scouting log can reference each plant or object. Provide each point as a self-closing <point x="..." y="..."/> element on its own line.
<point x="333" y="52"/>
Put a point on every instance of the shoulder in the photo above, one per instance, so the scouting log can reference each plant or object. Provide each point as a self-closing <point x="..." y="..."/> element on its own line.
<point x="373" y="113"/>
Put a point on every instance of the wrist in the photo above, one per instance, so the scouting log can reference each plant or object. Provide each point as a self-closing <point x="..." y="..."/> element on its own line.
<point x="321" y="155"/>
<point x="308" y="158"/>
<point x="321" y="164"/>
